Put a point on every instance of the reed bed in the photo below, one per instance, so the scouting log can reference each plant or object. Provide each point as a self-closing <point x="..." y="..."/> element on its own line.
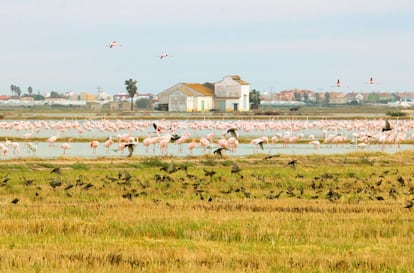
<point x="324" y="214"/>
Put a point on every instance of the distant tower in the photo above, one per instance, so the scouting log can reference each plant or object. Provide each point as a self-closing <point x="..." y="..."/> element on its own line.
<point x="100" y="92"/>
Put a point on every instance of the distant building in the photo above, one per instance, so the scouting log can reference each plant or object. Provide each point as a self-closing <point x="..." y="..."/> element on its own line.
<point x="232" y="95"/>
<point x="26" y="98"/>
<point x="4" y="97"/>
<point x="117" y="105"/>
<point x="228" y="95"/>
<point x="85" y="96"/>
<point x="122" y="97"/>
<point x="186" y="97"/>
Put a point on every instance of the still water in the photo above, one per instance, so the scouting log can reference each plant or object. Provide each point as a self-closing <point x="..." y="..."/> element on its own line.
<point x="85" y="129"/>
<point x="82" y="149"/>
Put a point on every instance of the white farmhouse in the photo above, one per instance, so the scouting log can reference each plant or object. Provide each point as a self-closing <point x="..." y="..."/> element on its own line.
<point x="187" y="97"/>
<point x="228" y="95"/>
<point x="232" y="95"/>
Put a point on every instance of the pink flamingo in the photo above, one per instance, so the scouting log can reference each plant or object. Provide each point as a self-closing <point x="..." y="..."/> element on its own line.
<point x="108" y="143"/>
<point x="5" y="151"/>
<point x="233" y="143"/>
<point x="164" y="145"/>
<point x="15" y="146"/>
<point x="65" y="146"/>
<point x="181" y="140"/>
<point x="222" y="142"/>
<point x="316" y="144"/>
<point x="192" y="145"/>
<point x="147" y="142"/>
<point x="204" y="142"/>
<point x="94" y="144"/>
<point x="52" y="139"/>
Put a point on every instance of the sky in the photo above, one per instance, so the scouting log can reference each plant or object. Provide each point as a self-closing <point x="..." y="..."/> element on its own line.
<point x="60" y="45"/>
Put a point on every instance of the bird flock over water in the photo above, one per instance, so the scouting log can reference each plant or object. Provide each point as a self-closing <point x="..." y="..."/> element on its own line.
<point x="218" y="137"/>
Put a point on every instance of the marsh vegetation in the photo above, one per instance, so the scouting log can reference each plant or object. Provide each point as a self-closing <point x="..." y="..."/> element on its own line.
<point x="338" y="213"/>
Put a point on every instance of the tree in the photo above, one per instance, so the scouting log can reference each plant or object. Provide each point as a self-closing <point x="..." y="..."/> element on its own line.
<point x="306" y="97"/>
<point x="30" y="90"/>
<point x="143" y="103"/>
<point x="254" y="98"/>
<point x="13" y="88"/>
<point x="131" y="87"/>
<point x="298" y="96"/>
<point x="318" y="98"/>
<point x="18" y="91"/>
<point x="327" y="97"/>
<point x="55" y="94"/>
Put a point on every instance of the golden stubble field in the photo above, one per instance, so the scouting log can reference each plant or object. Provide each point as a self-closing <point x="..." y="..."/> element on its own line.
<point x="336" y="213"/>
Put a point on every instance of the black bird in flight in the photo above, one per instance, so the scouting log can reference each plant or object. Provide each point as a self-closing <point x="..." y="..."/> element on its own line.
<point x="387" y="126"/>
<point x="219" y="151"/>
<point x="131" y="147"/>
<point x="232" y="132"/>
<point x="174" y="137"/>
<point x="260" y="145"/>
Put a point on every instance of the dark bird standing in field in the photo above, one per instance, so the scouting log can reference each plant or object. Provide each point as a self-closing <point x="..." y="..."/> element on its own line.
<point x="409" y="204"/>
<point x="55" y="183"/>
<point x="209" y="173"/>
<point x="270" y="156"/>
<point x="293" y="163"/>
<point x="235" y="169"/>
<point x="15" y="200"/>
<point x="68" y="186"/>
<point x="56" y="170"/>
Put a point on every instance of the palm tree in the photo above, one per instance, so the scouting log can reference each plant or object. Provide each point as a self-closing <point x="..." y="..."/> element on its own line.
<point x="254" y="98"/>
<point x="13" y="88"/>
<point x="131" y="87"/>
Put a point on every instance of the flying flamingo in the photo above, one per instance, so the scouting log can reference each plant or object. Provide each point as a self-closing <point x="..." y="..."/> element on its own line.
<point x="164" y="55"/>
<point x="338" y="83"/>
<point x="113" y="44"/>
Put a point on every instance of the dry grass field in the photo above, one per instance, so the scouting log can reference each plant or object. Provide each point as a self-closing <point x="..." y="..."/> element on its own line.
<point x="337" y="213"/>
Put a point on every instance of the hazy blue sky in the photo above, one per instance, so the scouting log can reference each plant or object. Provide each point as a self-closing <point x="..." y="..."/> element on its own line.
<point x="59" y="45"/>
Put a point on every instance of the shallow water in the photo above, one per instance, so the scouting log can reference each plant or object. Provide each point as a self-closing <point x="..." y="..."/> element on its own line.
<point x="82" y="149"/>
<point x="247" y="129"/>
